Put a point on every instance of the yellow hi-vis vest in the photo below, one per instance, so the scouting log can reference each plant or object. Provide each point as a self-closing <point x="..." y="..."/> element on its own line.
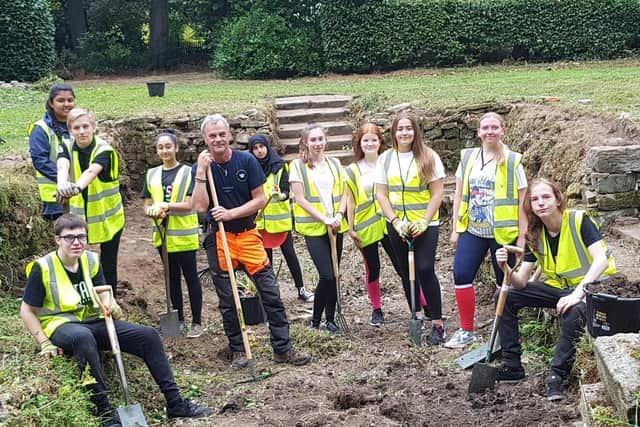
<point x="369" y="224"/>
<point x="410" y="199"/>
<point x="62" y="303"/>
<point x="505" y="202"/>
<point x="104" y="212"/>
<point x="304" y="222"/>
<point x="182" y="227"/>
<point x="47" y="187"/>
<point x="573" y="258"/>
<point x="276" y="217"/>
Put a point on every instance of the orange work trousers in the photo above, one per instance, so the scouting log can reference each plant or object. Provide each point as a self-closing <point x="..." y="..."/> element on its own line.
<point x="245" y="248"/>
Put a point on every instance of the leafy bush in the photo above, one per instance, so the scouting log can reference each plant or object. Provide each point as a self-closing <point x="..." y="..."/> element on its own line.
<point x="26" y="37"/>
<point x="381" y="35"/>
<point x="262" y="45"/>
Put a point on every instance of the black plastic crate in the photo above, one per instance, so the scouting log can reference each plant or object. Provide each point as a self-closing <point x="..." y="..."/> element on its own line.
<point x="609" y="314"/>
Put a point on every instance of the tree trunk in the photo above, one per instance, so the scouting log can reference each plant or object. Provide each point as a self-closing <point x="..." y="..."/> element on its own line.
<point x="76" y="18"/>
<point x="159" y="29"/>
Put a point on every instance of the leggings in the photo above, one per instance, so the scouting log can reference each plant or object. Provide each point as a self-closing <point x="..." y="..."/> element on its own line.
<point x="289" y="253"/>
<point x="325" y="296"/>
<point x="109" y="260"/>
<point x="184" y="262"/>
<point x="424" y="247"/>
<point x="372" y="268"/>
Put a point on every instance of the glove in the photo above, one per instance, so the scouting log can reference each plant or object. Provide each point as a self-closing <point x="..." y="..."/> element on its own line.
<point x="158" y="210"/>
<point x="116" y="311"/>
<point x="67" y="189"/>
<point x="418" y="227"/>
<point x="277" y="196"/>
<point x="401" y="227"/>
<point x="329" y="220"/>
<point x="47" y="349"/>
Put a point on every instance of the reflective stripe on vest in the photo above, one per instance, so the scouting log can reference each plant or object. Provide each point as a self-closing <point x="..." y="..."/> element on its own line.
<point x="573" y="259"/>
<point x="410" y="199"/>
<point x="47" y="187"/>
<point x="62" y="303"/>
<point x="368" y="223"/>
<point x="104" y="211"/>
<point x="304" y="222"/>
<point x="182" y="227"/>
<point x="276" y="217"/>
<point x="505" y="202"/>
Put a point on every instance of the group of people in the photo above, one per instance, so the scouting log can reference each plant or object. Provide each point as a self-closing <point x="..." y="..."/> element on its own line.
<point x="386" y="196"/>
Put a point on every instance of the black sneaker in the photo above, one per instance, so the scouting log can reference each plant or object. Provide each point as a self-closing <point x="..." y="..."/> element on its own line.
<point x="314" y="325"/>
<point x="510" y="374"/>
<point x="377" y="318"/>
<point x="184" y="408"/>
<point x="437" y="335"/>
<point x="427" y="313"/>
<point x="333" y="328"/>
<point x="554" y="387"/>
<point x="111" y="419"/>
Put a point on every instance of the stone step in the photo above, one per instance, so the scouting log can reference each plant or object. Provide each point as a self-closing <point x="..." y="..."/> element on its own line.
<point x="593" y="397"/>
<point x="307" y="115"/>
<point x="293" y="130"/>
<point x="618" y="369"/>
<point x="334" y="142"/>
<point x="344" y="156"/>
<point x="311" y="101"/>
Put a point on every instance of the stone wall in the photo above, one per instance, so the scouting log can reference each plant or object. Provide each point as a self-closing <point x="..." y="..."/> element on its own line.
<point x="134" y="140"/>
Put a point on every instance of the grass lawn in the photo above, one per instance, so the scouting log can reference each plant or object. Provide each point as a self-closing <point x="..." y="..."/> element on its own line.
<point x="613" y="87"/>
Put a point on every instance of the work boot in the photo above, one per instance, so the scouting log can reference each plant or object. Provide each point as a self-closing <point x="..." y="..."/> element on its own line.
<point x="305" y="295"/>
<point x="109" y="417"/>
<point x="332" y="328"/>
<point x="239" y="360"/>
<point x="297" y="358"/>
<point x="510" y="374"/>
<point x="184" y="408"/>
<point x="437" y="335"/>
<point x="554" y="387"/>
<point x="377" y="318"/>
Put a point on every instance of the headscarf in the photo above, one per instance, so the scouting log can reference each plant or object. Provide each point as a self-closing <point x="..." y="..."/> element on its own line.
<point x="272" y="162"/>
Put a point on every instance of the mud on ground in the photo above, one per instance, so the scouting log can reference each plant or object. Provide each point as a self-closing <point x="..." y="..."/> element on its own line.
<point x="377" y="377"/>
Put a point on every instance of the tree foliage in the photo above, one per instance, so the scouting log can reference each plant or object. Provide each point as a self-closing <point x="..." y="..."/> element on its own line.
<point x="26" y="37"/>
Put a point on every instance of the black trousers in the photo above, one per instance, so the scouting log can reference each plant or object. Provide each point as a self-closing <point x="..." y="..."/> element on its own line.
<point x="184" y="263"/>
<point x="84" y="341"/>
<point x="109" y="260"/>
<point x="572" y="322"/>
<point x="372" y="258"/>
<point x="424" y="247"/>
<point x="326" y="294"/>
<point x="290" y="257"/>
<point x="267" y="286"/>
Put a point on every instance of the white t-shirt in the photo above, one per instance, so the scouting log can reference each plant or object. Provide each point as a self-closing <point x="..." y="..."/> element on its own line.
<point x="322" y="176"/>
<point x="482" y="182"/>
<point x="367" y="176"/>
<point x="404" y="164"/>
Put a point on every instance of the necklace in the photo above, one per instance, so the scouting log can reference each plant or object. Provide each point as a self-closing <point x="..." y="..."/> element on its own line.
<point x="482" y="160"/>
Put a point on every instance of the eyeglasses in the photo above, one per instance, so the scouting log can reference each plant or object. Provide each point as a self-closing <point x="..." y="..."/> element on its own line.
<point x="70" y="238"/>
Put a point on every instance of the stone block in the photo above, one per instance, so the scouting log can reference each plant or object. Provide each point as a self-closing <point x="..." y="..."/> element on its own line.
<point x="399" y="107"/>
<point x="606" y="218"/>
<point x="574" y="191"/>
<point x="613" y="182"/>
<point x="621" y="159"/>
<point x="592" y="396"/>
<point x="619" y="372"/>
<point x="615" y="201"/>
<point x="590" y="199"/>
<point x="253" y="124"/>
<point x="449" y="125"/>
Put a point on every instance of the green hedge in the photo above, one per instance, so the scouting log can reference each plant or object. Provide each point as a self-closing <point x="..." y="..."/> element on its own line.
<point x="382" y="35"/>
<point x="26" y="37"/>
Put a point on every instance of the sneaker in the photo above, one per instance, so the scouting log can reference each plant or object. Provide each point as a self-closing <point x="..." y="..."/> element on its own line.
<point x="554" y="387"/>
<point x="437" y="335"/>
<point x="239" y="360"/>
<point x="510" y="374"/>
<point x="427" y="313"/>
<point x="331" y="327"/>
<point x="195" y="331"/>
<point x="461" y="339"/>
<point x="305" y="295"/>
<point x="184" y="408"/>
<point x="110" y="418"/>
<point x="293" y="357"/>
<point x="314" y="325"/>
<point x="377" y="319"/>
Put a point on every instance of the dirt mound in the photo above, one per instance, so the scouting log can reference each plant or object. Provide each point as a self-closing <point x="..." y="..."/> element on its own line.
<point x="617" y="285"/>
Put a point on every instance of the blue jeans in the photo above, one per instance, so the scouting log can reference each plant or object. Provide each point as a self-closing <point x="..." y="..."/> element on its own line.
<point x="470" y="252"/>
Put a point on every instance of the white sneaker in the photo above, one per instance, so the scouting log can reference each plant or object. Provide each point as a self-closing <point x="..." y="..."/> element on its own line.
<point x="461" y="339"/>
<point x="195" y="331"/>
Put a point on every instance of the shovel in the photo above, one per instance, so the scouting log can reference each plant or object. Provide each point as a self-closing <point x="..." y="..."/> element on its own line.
<point x="339" y="316"/>
<point x="415" y="325"/>
<point x="130" y="415"/>
<point x="169" y="322"/>
<point x="483" y="376"/>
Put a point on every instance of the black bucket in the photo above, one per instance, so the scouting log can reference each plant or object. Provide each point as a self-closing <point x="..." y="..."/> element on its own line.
<point x="610" y="314"/>
<point x="155" y="88"/>
<point x="252" y="310"/>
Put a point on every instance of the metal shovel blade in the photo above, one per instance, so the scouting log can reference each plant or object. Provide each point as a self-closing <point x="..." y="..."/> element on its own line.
<point x="169" y="324"/>
<point x="483" y="377"/>
<point x="415" y="331"/>
<point x="478" y="355"/>
<point x="131" y="416"/>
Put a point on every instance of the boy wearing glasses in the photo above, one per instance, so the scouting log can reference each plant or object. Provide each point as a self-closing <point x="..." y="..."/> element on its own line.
<point x="60" y="311"/>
